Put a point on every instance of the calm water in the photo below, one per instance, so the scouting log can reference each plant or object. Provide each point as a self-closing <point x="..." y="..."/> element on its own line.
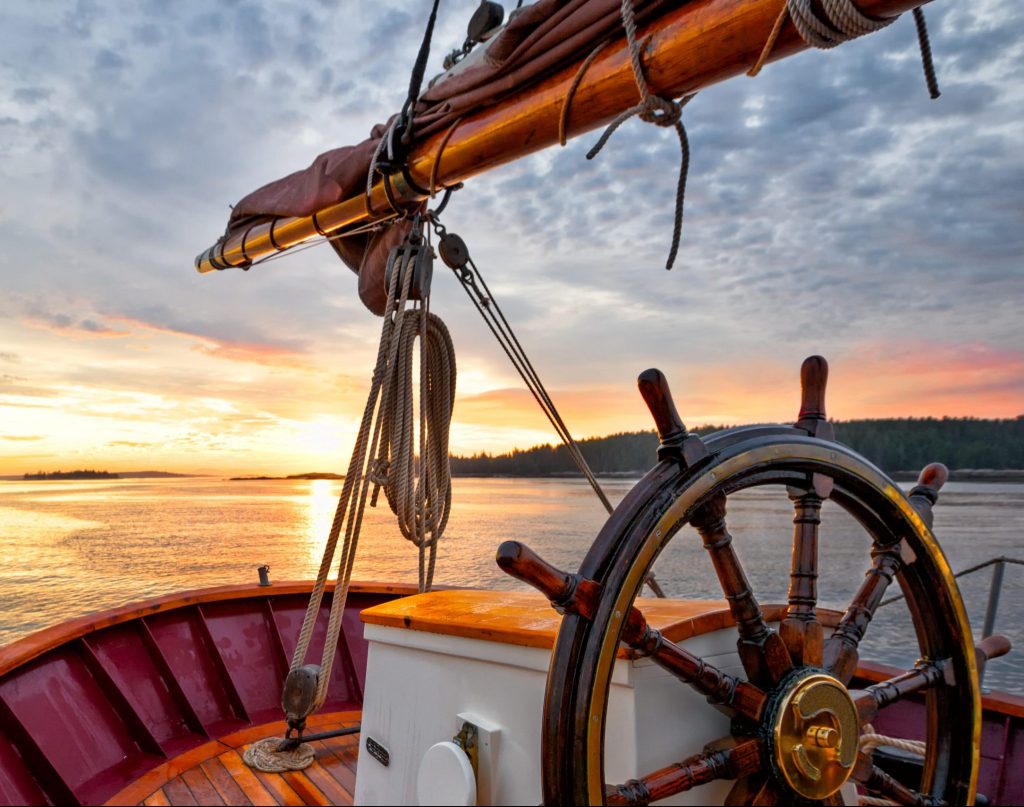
<point x="69" y="548"/>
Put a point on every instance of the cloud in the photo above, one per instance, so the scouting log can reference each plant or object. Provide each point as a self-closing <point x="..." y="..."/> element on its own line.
<point x="22" y="437"/>
<point x="832" y="208"/>
<point x="66" y="325"/>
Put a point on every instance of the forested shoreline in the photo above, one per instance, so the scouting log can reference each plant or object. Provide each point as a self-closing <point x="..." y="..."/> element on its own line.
<point x="898" y="444"/>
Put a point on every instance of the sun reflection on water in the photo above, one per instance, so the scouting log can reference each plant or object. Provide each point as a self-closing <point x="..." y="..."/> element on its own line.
<point x="321" y="502"/>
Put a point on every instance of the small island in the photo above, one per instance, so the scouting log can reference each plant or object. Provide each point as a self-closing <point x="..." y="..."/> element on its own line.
<point x="83" y="474"/>
<point x="314" y="475"/>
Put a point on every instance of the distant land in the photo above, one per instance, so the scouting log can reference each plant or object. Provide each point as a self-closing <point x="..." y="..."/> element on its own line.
<point x="991" y="450"/>
<point x="90" y="474"/>
<point x="314" y="475"/>
<point x="72" y="475"/>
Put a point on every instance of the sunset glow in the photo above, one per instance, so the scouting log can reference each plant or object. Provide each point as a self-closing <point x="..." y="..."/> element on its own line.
<point x="877" y="228"/>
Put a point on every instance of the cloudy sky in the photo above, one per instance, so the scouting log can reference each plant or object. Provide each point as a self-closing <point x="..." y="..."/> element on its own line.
<point x="832" y="209"/>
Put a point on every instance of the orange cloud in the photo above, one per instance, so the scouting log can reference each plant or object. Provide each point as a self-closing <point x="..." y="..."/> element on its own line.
<point x="252" y="352"/>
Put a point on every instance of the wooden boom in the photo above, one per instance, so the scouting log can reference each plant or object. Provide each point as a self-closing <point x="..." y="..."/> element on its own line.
<point x="692" y="47"/>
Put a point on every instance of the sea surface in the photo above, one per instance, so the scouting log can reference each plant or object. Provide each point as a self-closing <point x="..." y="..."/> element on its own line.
<point x="68" y="548"/>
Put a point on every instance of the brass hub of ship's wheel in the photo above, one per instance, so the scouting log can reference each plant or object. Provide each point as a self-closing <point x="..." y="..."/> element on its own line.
<point x="795" y="717"/>
<point x="813" y="734"/>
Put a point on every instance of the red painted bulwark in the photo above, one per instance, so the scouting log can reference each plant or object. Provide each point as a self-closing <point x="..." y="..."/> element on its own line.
<point x="89" y="706"/>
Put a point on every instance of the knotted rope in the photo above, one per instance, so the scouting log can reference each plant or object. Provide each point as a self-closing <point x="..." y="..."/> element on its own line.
<point x="844" y="22"/>
<point x="651" y="109"/>
<point x="419" y="491"/>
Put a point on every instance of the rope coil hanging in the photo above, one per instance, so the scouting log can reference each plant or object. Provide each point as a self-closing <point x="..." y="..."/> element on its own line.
<point x="418" y="490"/>
<point x="844" y="22"/>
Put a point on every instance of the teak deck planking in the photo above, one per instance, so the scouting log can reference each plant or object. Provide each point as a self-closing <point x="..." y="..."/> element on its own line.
<point x="215" y="773"/>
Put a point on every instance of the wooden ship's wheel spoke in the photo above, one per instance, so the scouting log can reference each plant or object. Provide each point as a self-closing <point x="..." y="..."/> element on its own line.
<point x="738" y="759"/>
<point x="842" y="648"/>
<point x="573" y="594"/>
<point x="880" y="783"/>
<point x="762" y="653"/>
<point x="757" y="789"/>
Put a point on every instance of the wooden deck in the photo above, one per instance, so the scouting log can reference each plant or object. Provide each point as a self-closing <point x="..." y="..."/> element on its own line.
<point x="214" y="773"/>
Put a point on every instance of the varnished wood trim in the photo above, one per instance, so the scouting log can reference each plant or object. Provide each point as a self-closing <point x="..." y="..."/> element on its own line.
<point x="33" y="646"/>
<point x="526" y="619"/>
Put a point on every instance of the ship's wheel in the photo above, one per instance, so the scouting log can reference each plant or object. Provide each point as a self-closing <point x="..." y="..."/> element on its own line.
<point x="795" y="722"/>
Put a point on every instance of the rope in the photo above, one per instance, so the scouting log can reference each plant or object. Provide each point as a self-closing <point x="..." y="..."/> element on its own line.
<point x="418" y="71"/>
<point x="651" y="109"/>
<point x="563" y="119"/>
<point x="384" y="442"/>
<point x="844" y="21"/>
<point x="440" y="151"/>
<point x="422" y="505"/>
<point x="480" y="295"/>
<point x="869" y="741"/>
<point x="926" y="53"/>
<point x="264" y="756"/>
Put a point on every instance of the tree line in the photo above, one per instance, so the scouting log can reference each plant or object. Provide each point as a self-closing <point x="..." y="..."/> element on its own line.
<point x="896" y="444"/>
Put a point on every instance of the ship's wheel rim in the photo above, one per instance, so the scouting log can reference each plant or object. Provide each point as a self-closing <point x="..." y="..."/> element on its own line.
<point x="743" y="459"/>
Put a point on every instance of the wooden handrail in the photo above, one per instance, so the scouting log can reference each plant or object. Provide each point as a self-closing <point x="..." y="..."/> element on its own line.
<point x="690" y="48"/>
<point x="34" y="645"/>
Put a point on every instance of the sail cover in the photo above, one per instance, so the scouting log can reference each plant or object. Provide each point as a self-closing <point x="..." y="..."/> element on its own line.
<point x="536" y="41"/>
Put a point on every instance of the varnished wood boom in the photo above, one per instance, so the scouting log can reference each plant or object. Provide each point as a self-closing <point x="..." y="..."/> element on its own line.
<point x="691" y="47"/>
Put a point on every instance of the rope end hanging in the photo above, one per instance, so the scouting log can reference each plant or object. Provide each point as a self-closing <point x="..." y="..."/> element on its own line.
<point x="926" y="53"/>
<point x="651" y="109"/>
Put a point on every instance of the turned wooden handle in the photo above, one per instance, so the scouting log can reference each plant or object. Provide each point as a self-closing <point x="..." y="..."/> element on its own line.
<point x="524" y="564"/>
<point x="813" y="378"/>
<point x="934" y="476"/>
<point x="654" y="388"/>
<point x="993" y="646"/>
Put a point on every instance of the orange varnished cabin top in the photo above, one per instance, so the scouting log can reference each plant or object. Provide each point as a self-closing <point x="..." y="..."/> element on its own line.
<point x="526" y="618"/>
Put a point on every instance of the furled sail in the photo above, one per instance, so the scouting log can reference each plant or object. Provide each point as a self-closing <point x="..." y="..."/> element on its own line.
<point x="526" y="88"/>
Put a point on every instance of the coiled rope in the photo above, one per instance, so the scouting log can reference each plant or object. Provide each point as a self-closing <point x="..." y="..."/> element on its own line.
<point x="265" y="755"/>
<point x="844" y="22"/>
<point x="419" y="492"/>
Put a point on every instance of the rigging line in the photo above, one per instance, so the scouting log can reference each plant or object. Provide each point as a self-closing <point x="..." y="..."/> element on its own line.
<point x="509" y="342"/>
<point x="468" y="275"/>
<point x="561" y="427"/>
<point x="470" y="278"/>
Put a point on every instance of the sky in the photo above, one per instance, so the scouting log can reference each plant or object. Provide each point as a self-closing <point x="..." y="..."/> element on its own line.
<point x="832" y="208"/>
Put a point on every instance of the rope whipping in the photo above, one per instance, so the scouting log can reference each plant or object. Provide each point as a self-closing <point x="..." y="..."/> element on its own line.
<point x="455" y="254"/>
<point x="419" y="491"/>
<point x="651" y="109"/>
<point x="844" y="21"/>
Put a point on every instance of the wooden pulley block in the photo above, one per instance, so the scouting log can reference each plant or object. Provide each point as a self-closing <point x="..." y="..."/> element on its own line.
<point x="298" y="698"/>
